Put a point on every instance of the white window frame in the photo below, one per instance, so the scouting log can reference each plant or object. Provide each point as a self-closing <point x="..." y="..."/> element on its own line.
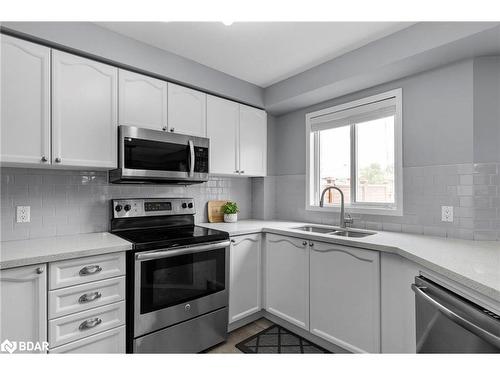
<point x="312" y="162"/>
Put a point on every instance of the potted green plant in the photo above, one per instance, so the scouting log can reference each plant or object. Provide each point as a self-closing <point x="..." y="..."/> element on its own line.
<point x="230" y="210"/>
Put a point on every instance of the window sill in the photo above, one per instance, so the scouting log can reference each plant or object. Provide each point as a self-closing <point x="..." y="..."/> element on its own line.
<point x="364" y="210"/>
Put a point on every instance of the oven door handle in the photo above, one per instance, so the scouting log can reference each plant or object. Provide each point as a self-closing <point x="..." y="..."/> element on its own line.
<point x="192" y="158"/>
<point x="463" y="322"/>
<point x="181" y="251"/>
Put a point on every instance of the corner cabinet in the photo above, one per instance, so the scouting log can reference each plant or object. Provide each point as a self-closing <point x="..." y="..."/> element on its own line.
<point x="238" y="138"/>
<point x="244" y="276"/>
<point x="142" y="101"/>
<point x="287" y="279"/>
<point x="345" y="296"/>
<point x="84" y="112"/>
<point x="25" y="102"/>
<point x="187" y="111"/>
<point x="23" y="301"/>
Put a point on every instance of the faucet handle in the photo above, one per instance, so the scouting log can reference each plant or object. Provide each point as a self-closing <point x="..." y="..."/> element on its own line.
<point x="348" y="220"/>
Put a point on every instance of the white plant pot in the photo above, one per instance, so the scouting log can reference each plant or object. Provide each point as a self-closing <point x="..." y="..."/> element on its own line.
<point x="230" y="218"/>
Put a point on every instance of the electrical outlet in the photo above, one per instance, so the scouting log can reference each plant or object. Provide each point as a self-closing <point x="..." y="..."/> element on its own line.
<point x="23" y="214"/>
<point x="447" y="213"/>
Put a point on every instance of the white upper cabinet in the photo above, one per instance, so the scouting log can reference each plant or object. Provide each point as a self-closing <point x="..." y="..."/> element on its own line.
<point x="23" y="301"/>
<point x="222" y="129"/>
<point x="238" y="138"/>
<point x="25" y="102"/>
<point x="287" y="279"/>
<point x="142" y="101"/>
<point x="345" y="296"/>
<point x="253" y="141"/>
<point x="187" y="111"/>
<point x="84" y="112"/>
<point x="245" y="276"/>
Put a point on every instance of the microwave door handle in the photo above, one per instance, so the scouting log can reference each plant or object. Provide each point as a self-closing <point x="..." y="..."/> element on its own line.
<point x="181" y="251"/>
<point x="192" y="159"/>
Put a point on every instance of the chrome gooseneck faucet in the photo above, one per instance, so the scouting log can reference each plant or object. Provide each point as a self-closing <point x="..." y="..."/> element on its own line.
<point x="343" y="219"/>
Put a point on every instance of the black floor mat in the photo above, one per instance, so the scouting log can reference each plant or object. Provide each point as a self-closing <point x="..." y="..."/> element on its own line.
<point x="278" y="340"/>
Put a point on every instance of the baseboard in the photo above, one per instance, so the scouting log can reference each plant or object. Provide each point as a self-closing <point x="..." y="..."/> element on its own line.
<point x="246" y="320"/>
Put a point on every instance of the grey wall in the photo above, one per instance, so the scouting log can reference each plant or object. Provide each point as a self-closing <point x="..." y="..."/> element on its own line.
<point x="437" y="120"/>
<point x="487" y="109"/>
<point x="70" y="202"/>
<point x="98" y="41"/>
<point x="443" y="136"/>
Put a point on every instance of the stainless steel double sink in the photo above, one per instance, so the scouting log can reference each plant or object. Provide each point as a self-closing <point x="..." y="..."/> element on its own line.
<point x="332" y="231"/>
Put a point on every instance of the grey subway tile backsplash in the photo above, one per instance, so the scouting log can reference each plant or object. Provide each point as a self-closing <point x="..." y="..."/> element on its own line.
<point x="472" y="190"/>
<point x="70" y="202"/>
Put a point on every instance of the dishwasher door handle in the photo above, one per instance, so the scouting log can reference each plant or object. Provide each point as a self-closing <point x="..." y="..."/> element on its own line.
<point x="480" y="332"/>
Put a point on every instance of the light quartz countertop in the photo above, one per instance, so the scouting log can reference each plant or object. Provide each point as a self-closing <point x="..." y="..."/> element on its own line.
<point x="474" y="264"/>
<point x="42" y="250"/>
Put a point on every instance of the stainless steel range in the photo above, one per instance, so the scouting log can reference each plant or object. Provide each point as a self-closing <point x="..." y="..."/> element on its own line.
<point x="177" y="276"/>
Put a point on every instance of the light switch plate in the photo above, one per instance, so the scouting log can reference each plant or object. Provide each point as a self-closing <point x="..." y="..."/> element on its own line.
<point x="447" y="213"/>
<point x="23" y="214"/>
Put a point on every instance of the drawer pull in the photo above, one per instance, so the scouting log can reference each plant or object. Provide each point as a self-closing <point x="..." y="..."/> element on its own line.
<point x="89" y="297"/>
<point x="90" y="270"/>
<point x="90" y="323"/>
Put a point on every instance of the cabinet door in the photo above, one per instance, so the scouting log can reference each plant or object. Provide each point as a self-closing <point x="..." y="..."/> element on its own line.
<point x="187" y="111"/>
<point x="84" y="112"/>
<point x="25" y="102"/>
<point x="245" y="276"/>
<point x="107" y="342"/>
<point x="287" y="279"/>
<point x="142" y="101"/>
<point x="253" y="141"/>
<point x="222" y="129"/>
<point x="398" y="304"/>
<point x="23" y="301"/>
<point x="345" y="296"/>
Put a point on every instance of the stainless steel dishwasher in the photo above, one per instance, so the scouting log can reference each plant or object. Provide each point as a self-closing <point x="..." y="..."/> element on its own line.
<point x="449" y="323"/>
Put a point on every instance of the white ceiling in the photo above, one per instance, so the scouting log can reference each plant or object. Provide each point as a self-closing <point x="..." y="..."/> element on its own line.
<point x="262" y="53"/>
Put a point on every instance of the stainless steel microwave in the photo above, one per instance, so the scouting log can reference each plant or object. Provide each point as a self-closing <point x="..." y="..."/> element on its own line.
<point x="151" y="156"/>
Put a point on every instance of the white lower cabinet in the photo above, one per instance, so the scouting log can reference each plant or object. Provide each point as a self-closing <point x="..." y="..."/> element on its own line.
<point x="345" y="296"/>
<point x="398" y="304"/>
<point x="244" y="276"/>
<point x="111" y="341"/>
<point x="287" y="279"/>
<point x="23" y="302"/>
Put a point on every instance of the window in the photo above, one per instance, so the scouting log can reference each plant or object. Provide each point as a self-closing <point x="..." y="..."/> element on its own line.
<point x="357" y="148"/>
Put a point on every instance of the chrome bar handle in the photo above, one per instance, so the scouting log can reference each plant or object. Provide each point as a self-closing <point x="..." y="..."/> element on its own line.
<point x="181" y="251"/>
<point x="90" y="270"/>
<point x="192" y="156"/>
<point x="89" y="297"/>
<point x="90" y="323"/>
<point x="485" y="335"/>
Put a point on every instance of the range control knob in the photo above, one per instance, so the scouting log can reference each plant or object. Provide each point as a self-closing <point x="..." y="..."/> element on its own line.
<point x="118" y="207"/>
<point x="127" y="207"/>
<point x="190" y="205"/>
<point x="184" y="205"/>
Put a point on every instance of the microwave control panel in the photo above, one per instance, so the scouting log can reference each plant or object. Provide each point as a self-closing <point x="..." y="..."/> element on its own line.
<point x="201" y="159"/>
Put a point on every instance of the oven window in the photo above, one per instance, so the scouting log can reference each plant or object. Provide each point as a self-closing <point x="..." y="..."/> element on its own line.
<point x="154" y="155"/>
<point x="170" y="281"/>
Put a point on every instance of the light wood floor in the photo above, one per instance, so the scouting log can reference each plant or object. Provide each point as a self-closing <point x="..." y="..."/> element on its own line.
<point x="239" y="335"/>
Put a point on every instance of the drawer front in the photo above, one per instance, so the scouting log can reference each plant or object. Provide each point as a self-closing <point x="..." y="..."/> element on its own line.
<point x="108" y="342"/>
<point x="83" y="270"/>
<point x="77" y="326"/>
<point x="85" y="296"/>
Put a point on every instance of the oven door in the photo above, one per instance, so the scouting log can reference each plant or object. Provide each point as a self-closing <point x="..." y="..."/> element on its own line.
<point x="146" y="154"/>
<point x="174" y="285"/>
